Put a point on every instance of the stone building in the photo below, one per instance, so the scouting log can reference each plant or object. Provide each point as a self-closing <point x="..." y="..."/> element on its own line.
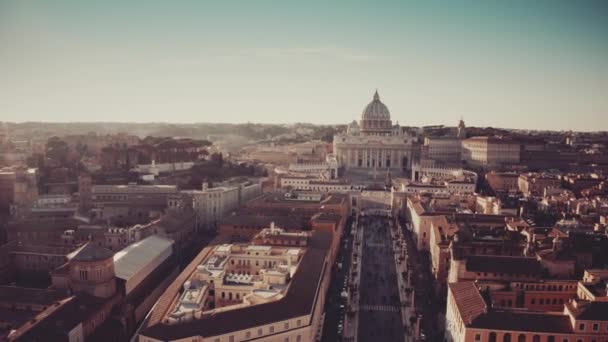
<point x="374" y="142"/>
<point x="490" y="151"/>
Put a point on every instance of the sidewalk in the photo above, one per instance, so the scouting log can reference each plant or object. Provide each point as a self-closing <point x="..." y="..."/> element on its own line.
<point x="400" y="267"/>
<point x="351" y="324"/>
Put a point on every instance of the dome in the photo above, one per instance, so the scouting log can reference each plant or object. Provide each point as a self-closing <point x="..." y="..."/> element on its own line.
<point x="376" y="110"/>
<point x="376" y="119"/>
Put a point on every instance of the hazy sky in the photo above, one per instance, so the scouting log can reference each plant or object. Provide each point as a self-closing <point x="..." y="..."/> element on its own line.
<point x="518" y="64"/>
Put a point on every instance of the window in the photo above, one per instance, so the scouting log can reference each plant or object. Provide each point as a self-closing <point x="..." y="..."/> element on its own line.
<point x="581" y="326"/>
<point x="596" y="327"/>
<point x="536" y="338"/>
<point x="231" y="338"/>
<point x="259" y="332"/>
<point x="477" y="337"/>
<point x="298" y="338"/>
<point x="550" y="338"/>
<point x="506" y="337"/>
<point x="286" y="325"/>
<point x="298" y="322"/>
<point x="521" y="338"/>
<point x="492" y="337"/>
<point x="248" y="334"/>
<point x="271" y="329"/>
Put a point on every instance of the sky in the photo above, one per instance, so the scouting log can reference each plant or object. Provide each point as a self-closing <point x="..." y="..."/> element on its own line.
<point x="538" y="64"/>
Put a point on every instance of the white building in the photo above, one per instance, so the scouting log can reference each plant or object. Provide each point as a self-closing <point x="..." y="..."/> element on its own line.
<point x="315" y="184"/>
<point x="328" y="168"/>
<point x="211" y="204"/>
<point x="156" y="169"/>
<point x="432" y="169"/>
<point x="374" y="142"/>
<point x="53" y="200"/>
<point x="490" y="151"/>
<point x="446" y="149"/>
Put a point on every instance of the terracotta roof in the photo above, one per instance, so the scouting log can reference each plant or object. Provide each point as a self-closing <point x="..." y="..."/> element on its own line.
<point x="92" y="252"/>
<point x="57" y="321"/>
<point x="503" y="264"/>
<point x="44" y="224"/>
<point x="468" y="300"/>
<point x="335" y="198"/>
<point x="327" y="217"/>
<point x="24" y="295"/>
<point x="523" y="321"/>
<point x="591" y="311"/>
<point x="258" y="222"/>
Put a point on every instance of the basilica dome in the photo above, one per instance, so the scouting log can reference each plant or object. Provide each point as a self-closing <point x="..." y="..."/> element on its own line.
<point x="375" y="116"/>
<point x="376" y="110"/>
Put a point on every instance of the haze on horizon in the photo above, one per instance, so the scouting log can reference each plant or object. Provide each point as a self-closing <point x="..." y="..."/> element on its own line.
<point x="518" y="64"/>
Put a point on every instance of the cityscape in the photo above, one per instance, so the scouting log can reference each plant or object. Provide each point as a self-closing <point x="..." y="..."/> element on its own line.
<point x="251" y="202"/>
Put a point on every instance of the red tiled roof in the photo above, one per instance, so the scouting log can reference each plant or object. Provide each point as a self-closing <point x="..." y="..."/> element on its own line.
<point x="523" y="321"/>
<point x="468" y="300"/>
<point x="24" y="295"/>
<point x="592" y="311"/>
<point x="503" y="264"/>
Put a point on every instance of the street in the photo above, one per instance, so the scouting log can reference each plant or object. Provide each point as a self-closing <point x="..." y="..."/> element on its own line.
<point x="379" y="306"/>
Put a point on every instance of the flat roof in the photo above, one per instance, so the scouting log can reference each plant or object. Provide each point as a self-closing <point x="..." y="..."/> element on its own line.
<point x="298" y="301"/>
<point x="131" y="259"/>
<point x="503" y="264"/>
<point x="523" y="321"/>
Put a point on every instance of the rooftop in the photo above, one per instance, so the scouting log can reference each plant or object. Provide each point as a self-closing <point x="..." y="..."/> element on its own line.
<point x="298" y="301"/>
<point x="503" y="264"/>
<point x="589" y="311"/>
<point x="468" y="300"/>
<point x="92" y="252"/>
<point x="131" y="259"/>
<point x="523" y="321"/>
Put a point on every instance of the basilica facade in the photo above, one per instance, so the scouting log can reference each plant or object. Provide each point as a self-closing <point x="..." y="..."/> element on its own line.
<point x="374" y="143"/>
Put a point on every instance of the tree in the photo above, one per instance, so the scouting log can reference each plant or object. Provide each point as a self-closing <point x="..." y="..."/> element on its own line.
<point x="218" y="158"/>
<point x="57" y="150"/>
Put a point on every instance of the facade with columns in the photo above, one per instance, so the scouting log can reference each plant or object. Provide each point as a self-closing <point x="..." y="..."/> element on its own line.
<point x="374" y="142"/>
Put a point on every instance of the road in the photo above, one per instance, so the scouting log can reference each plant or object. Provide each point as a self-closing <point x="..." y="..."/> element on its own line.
<point x="379" y="309"/>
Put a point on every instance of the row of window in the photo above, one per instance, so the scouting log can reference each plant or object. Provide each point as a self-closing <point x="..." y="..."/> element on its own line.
<point x="271" y="330"/>
<point x="547" y="301"/>
<point x="507" y="337"/>
<point x="546" y="287"/>
<point x="485" y="274"/>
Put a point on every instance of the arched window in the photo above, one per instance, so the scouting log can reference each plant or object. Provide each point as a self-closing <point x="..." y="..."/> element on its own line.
<point x="506" y="337"/>
<point x="492" y="337"/>
<point x="550" y="338"/>
<point x="521" y="338"/>
<point x="536" y="338"/>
